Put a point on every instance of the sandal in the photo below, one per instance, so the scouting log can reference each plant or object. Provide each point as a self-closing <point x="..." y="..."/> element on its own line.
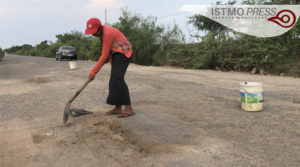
<point x="112" y="112"/>
<point x="126" y="114"/>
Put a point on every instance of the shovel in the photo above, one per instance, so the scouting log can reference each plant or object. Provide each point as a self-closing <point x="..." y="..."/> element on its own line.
<point x="68" y="105"/>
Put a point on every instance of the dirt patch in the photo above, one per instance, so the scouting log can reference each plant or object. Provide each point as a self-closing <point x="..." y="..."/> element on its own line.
<point x="37" y="138"/>
<point x="13" y="87"/>
<point x="99" y="127"/>
<point x="38" y="80"/>
<point x="86" y="141"/>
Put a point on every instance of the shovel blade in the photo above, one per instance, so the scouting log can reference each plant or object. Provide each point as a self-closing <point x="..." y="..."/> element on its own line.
<point x="66" y="112"/>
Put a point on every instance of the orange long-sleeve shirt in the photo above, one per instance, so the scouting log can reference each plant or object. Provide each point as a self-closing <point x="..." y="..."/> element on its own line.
<point x="114" y="40"/>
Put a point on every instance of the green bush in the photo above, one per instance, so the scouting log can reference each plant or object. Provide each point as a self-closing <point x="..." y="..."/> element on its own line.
<point x="1" y="54"/>
<point x="228" y="50"/>
<point x="183" y="55"/>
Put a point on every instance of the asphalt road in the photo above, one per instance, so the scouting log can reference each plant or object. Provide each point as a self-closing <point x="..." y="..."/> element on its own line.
<point x="183" y="118"/>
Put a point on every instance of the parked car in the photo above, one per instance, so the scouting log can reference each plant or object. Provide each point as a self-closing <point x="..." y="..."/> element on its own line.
<point x="66" y="52"/>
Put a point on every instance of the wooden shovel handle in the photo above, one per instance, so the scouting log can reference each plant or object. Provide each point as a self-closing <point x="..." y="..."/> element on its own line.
<point x="79" y="91"/>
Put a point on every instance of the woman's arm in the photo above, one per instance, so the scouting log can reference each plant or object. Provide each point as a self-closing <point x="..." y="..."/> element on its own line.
<point x="107" y="43"/>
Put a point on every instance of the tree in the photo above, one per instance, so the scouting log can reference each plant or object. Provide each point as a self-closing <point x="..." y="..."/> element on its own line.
<point x="143" y="34"/>
<point x="231" y="50"/>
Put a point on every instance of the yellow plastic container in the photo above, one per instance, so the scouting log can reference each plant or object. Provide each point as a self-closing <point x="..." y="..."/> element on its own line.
<point x="251" y="96"/>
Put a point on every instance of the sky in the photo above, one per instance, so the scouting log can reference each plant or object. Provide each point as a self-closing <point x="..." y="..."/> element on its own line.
<point x="32" y="21"/>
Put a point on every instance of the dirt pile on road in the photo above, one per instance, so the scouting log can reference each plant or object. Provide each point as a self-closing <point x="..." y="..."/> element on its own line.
<point x="84" y="141"/>
<point x="96" y="127"/>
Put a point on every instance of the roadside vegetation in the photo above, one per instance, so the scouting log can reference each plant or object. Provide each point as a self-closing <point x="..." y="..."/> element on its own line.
<point x="1" y="54"/>
<point x="219" y="49"/>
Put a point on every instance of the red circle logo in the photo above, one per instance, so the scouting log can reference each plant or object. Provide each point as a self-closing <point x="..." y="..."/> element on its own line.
<point x="284" y="18"/>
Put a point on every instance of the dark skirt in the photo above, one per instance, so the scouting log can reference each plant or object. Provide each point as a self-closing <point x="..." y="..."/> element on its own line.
<point x="118" y="90"/>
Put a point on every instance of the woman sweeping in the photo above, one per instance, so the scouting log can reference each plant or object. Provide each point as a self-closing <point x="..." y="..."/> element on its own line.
<point x="116" y="47"/>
